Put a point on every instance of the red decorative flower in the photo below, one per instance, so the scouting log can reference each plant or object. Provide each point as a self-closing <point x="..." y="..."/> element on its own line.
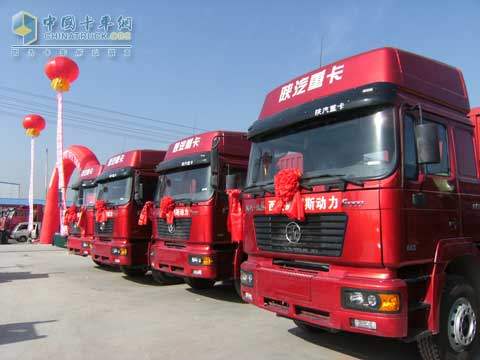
<point x="287" y="190"/>
<point x="167" y="205"/>
<point x="146" y="213"/>
<point x="235" y="215"/>
<point x="100" y="211"/>
<point x="70" y="215"/>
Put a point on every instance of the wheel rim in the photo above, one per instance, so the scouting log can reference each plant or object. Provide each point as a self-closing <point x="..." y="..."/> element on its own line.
<point x="462" y="324"/>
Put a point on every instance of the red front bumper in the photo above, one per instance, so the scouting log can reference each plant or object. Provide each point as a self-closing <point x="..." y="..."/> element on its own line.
<point x="102" y="251"/>
<point x="78" y="246"/>
<point x="175" y="260"/>
<point x="316" y="297"/>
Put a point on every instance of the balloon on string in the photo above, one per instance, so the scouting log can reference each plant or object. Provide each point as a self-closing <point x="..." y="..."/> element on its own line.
<point x="34" y="124"/>
<point x="62" y="71"/>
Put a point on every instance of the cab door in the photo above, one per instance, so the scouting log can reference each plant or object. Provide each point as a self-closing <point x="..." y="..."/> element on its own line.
<point x="430" y="203"/>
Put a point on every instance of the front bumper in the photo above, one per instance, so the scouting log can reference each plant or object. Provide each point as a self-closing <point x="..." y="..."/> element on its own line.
<point x="174" y="260"/>
<point x="315" y="297"/>
<point x="101" y="251"/>
<point x="75" y="245"/>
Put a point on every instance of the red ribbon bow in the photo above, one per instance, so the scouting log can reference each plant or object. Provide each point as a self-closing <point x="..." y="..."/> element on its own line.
<point x="235" y="215"/>
<point x="167" y="205"/>
<point x="70" y="215"/>
<point x="146" y="213"/>
<point x="100" y="211"/>
<point x="287" y="190"/>
<point x="82" y="220"/>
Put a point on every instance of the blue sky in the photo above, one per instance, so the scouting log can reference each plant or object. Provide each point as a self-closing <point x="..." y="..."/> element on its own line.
<point x="209" y="64"/>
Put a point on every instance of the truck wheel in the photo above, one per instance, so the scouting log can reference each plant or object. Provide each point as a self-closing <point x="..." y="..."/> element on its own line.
<point x="165" y="279"/>
<point x="199" y="284"/>
<point x="458" y="338"/>
<point x="133" y="271"/>
<point x="238" y="287"/>
<point x="306" y="326"/>
<point x="22" y="239"/>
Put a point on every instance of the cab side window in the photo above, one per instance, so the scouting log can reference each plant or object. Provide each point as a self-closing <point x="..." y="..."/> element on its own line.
<point x="443" y="167"/>
<point x="149" y="186"/>
<point x="465" y="151"/>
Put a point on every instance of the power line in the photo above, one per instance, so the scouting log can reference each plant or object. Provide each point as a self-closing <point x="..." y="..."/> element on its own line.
<point x="97" y="108"/>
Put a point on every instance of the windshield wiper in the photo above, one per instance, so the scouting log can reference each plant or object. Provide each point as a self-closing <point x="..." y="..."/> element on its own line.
<point x="264" y="188"/>
<point x="347" y="179"/>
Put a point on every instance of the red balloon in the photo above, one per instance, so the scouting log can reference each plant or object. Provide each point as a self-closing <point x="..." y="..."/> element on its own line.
<point x="62" y="67"/>
<point x="34" y="121"/>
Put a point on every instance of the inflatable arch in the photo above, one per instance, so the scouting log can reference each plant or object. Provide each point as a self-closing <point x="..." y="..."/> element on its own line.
<point x="75" y="156"/>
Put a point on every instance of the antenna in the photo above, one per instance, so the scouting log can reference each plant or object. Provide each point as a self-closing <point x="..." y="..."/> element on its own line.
<point x="321" y="49"/>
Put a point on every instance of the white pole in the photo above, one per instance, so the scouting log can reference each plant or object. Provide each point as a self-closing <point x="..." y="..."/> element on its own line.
<point x="61" y="176"/>
<point x="30" y="190"/>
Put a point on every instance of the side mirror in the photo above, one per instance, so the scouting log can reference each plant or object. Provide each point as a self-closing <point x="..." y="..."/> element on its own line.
<point x="214" y="181"/>
<point x="138" y="196"/>
<point x="428" y="147"/>
<point x="231" y="182"/>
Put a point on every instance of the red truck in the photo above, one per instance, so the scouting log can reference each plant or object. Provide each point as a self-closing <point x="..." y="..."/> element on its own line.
<point x="128" y="180"/>
<point x="196" y="244"/>
<point x="81" y="224"/>
<point x="377" y="231"/>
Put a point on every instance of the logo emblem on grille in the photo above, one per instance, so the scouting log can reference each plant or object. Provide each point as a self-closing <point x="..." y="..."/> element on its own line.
<point x="103" y="225"/>
<point x="293" y="233"/>
<point x="171" y="228"/>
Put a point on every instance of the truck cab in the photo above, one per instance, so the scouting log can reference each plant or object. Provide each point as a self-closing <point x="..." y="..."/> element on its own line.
<point x="80" y="230"/>
<point x="381" y="161"/>
<point x="128" y="180"/>
<point x="197" y="245"/>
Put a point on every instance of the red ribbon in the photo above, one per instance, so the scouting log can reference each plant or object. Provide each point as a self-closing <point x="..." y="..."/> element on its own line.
<point x="146" y="213"/>
<point x="235" y="215"/>
<point x="167" y="205"/>
<point x="70" y="215"/>
<point x="100" y="211"/>
<point x="287" y="190"/>
<point x="82" y="220"/>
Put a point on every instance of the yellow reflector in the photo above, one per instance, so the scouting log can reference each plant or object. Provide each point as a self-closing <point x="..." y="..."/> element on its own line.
<point x="389" y="302"/>
<point x="123" y="251"/>
<point x="207" y="260"/>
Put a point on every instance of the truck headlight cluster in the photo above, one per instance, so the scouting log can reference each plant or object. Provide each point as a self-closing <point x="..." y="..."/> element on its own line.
<point x="199" y="260"/>
<point x="85" y="244"/>
<point x="119" y="251"/>
<point x="246" y="278"/>
<point x="373" y="301"/>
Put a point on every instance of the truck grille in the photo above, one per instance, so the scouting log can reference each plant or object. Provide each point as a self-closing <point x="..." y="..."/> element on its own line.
<point x="181" y="231"/>
<point x="321" y="234"/>
<point x="74" y="229"/>
<point x="105" y="229"/>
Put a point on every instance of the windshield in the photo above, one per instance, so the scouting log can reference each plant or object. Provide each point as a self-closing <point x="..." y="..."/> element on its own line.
<point x="187" y="184"/>
<point x="89" y="196"/>
<point x="116" y="192"/>
<point x="361" y="146"/>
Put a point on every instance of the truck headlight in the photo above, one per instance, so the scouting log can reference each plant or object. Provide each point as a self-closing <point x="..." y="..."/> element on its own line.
<point x="246" y="278"/>
<point x="119" y="251"/>
<point x="85" y="244"/>
<point x="373" y="301"/>
<point x="199" y="260"/>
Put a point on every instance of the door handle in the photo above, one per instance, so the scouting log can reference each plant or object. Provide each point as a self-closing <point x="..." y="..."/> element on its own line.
<point x="452" y="224"/>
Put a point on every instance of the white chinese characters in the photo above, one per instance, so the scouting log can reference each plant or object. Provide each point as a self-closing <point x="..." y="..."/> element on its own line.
<point x="311" y="82"/>
<point x="329" y="109"/>
<point x="186" y="144"/>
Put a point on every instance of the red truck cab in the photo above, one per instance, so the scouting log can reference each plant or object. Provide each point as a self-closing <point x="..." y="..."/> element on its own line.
<point x="197" y="245"/>
<point x="81" y="230"/>
<point x="128" y="180"/>
<point x="383" y="162"/>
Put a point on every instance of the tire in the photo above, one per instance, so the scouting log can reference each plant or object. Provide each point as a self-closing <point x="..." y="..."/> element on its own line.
<point x="199" y="284"/>
<point x="165" y="279"/>
<point x="306" y="327"/>
<point x="238" y="287"/>
<point x="459" y="324"/>
<point x="22" y="239"/>
<point x="133" y="271"/>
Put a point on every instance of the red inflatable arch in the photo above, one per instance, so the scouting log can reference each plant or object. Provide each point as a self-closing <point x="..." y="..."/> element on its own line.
<point x="75" y="156"/>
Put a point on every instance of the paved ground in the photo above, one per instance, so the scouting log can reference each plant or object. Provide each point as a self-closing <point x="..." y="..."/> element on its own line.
<point x="60" y="306"/>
